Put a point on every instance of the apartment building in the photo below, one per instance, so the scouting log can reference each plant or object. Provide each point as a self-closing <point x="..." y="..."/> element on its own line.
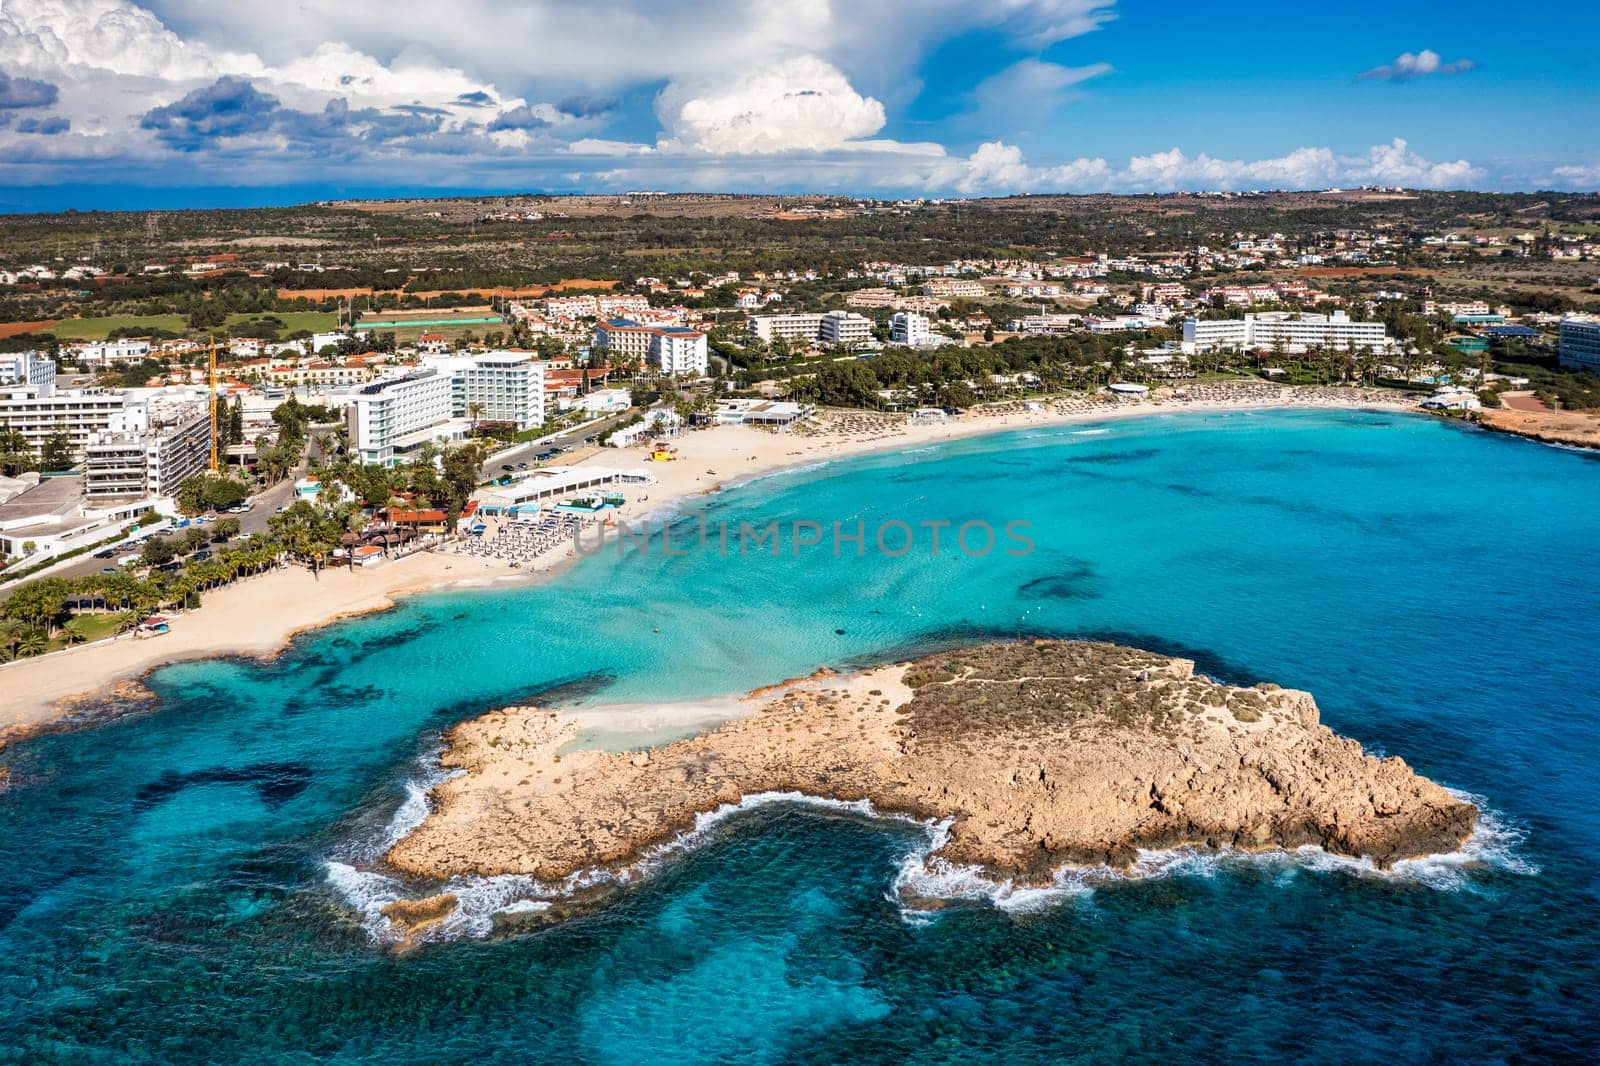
<point x="844" y="327"/>
<point x="909" y="328"/>
<point x="679" y="350"/>
<point x="571" y="308"/>
<point x="1579" y="343"/>
<point x="954" y="288"/>
<point x="1300" y="332"/>
<point x="109" y="352"/>
<point x="149" y="449"/>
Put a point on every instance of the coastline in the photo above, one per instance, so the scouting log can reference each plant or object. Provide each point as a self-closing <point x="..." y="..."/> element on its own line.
<point x="1562" y="429"/>
<point x="261" y="616"/>
<point x="1029" y="757"/>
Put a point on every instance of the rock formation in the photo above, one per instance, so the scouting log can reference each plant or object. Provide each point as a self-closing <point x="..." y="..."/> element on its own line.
<point x="1042" y="753"/>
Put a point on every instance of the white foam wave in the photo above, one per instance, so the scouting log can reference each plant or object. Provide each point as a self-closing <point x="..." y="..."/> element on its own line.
<point x="1089" y="432"/>
<point x="924" y="875"/>
<point x="367" y="893"/>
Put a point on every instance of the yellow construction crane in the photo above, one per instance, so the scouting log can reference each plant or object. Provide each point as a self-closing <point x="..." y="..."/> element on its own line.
<point x="211" y="388"/>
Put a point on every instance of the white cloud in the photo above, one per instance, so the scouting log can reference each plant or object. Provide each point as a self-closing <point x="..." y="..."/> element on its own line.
<point x="1583" y="178"/>
<point x="1421" y="64"/>
<point x="801" y="104"/>
<point x="753" y="95"/>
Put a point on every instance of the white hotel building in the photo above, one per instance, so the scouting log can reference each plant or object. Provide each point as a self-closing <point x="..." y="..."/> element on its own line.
<point x="1580" y="342"/>
<point x="797" y="327"/>
<point x="501" y="386"/>
<point x="1334" y="332"/>
<point x="438" y="403"/>
<point x="909" y="328"/>
<point x="390" y="419"/>
<point x="671" y="349"/>
<point x="39" y="412"/>
<point x="834" y="327"/>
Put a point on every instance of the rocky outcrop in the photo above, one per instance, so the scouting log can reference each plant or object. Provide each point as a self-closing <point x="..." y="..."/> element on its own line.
<point x="412" y="918"/>
<point x="1040" y="753"/>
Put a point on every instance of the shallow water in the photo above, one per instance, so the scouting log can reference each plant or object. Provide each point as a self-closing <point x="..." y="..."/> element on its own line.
<point x="164" y="879"/>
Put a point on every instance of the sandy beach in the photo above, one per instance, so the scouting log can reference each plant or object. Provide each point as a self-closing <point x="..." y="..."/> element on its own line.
<point x="260" y="615"/>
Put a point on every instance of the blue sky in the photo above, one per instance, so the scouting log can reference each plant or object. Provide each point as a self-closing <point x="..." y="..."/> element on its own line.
<point x="111" y="103"/>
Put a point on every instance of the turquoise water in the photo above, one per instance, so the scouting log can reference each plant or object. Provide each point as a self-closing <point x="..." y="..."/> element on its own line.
<point x="164" y="879"/>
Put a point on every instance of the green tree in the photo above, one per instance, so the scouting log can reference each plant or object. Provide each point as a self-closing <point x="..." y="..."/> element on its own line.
<point x="57" y="453"/>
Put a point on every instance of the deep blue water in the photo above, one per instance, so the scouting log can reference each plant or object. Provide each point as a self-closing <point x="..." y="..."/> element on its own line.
<point x="164" y="894"/>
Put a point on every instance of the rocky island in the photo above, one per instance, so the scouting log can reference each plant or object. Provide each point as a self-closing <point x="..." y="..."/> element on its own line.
<point x="1039" y="753"/>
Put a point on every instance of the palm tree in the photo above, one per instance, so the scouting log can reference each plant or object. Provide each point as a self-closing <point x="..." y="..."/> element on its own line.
<point x="34" y="642"/>
<point x="11" y="633"/>
<point x="73" y="632"/>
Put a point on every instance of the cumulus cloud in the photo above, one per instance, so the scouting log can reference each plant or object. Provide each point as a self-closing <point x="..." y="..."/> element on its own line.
<point x="996" y="168"/>
<point x="801" y="104"/>
<point x="26" y="92"/>
<point x="1421" y="64"/>
<point x="228" y="107"/>
<point x="519" y="118"/>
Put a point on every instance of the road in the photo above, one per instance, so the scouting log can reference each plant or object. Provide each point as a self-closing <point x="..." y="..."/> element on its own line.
<point x="573" y="440"/>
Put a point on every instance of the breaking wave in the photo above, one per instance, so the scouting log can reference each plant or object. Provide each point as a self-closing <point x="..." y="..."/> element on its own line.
<point x="923" y="878"/>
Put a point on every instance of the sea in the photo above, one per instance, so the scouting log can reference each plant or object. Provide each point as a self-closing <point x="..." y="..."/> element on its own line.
<point x="198" y="881"/>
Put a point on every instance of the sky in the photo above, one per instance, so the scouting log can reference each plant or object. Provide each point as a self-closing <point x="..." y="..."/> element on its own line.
<point x="171" y="103"/>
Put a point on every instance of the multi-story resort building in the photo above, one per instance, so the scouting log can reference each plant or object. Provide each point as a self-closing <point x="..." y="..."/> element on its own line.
<point x="909" y="328"/>
<point x="392" y="418"/>
<point x="805" y="327"/>
<point x="844" y="327"/>
<point x="27" y="368"/>
<point x="442" y="399"/>
<point x="670" y="349"/>
<point x="39" y="412"/>
<point x="954" y="288"/>
<point x="148" y="450"/>
<point x="834" y="327"/>
<point x="1296" y="332"/>
<point x="502" y="386"/>
<point x="1579" y="344"/>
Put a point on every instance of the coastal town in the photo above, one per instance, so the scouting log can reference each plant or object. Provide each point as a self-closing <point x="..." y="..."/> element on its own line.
<point x="731" y="534"/>
<point x="260" y="414"/>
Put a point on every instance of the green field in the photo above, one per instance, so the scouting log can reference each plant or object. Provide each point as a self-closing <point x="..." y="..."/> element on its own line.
<point x="97" y="329"/>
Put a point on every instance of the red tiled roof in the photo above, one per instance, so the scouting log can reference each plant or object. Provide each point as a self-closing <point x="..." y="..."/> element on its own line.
<point x="416" y="518"/>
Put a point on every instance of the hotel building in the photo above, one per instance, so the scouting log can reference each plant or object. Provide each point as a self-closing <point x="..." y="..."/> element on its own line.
<point x="1580" y="342"/>
<point x="844" y="327"/>
<point x="670" y="349"/>
<point x="1300" y="332"/>
<point x="908" y="328"/>
<point x="390" y="419"/>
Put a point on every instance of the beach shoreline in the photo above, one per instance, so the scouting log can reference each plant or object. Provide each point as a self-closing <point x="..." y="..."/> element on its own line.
<point x="261" y="616"/>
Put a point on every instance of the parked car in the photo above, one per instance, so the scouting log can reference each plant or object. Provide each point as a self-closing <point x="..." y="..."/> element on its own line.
<point x="201" y="556"/>
<point x="522" y="466"/>
<point x="507" y="467"/>
<point x="109" y="553"/>
<point x="109" y="570"/>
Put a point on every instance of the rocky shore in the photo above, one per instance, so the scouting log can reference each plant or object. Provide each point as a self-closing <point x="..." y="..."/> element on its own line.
<point x="1574" y="429"/>
<point x="1040" y="753"/>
